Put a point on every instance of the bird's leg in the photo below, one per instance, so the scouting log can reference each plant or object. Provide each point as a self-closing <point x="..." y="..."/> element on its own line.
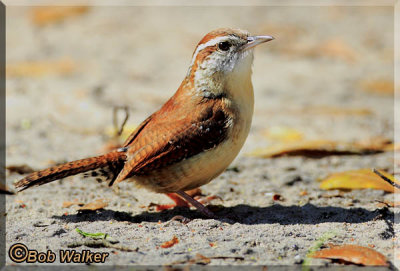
<point x="196" y="204"/>
<point x="178" y="202"/>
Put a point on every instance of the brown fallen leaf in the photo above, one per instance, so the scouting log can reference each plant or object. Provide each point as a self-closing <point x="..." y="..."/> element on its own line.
<point x="67" y="204"/>
<point x="40" y="68"/>
<point x="54" y="14"/>
<point x="358" y="179"/>
<point x="352" y="254"/>
<point x="316" y="148"/>
<point x="20" y="169"/>
<point x="170" y="243"/>
<point x="93" y="206"/>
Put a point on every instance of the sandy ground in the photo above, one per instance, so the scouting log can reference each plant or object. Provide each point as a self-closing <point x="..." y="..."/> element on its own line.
<point x="312" y="78"/>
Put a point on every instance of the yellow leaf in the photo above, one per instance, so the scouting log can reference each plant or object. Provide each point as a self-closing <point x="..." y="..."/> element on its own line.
<point x="284" y="134"/>
<point x="358" y="179"/>
<point x="53" y="14"/>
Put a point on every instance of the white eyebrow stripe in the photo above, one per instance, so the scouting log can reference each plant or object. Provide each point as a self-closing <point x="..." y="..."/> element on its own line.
<point x="205" y="45"/>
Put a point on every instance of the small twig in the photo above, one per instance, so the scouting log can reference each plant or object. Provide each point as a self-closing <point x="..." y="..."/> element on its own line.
<point x="386" y="179"/>
<point x="118" y="128"/>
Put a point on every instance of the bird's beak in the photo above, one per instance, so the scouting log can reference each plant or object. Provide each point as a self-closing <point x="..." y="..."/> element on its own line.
<point x="256" y="40"/>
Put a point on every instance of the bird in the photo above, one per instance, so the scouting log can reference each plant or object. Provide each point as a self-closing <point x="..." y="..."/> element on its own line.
<point x="194" y="136"/>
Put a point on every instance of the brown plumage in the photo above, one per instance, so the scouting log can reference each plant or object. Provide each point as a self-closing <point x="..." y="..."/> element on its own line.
<point x="113" y="159"/>
<point x="161" y="140"/>
<point x="194" y="136"/>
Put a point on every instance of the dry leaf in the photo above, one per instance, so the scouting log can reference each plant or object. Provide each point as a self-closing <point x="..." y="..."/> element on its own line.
<point x="171" y="242"/>
<point x="358" y="179"/>
<point x="353" y="254"/>
<point x="378" y="86"/>
<point x="283" y="134"/>
<point x="67" y="204"/>
<point x="316" y="148"/>
<point x="295" y="148"/>
<point x="93" y="206"/>
<point x="54" y="14"/>
<point x="40" y="68"/>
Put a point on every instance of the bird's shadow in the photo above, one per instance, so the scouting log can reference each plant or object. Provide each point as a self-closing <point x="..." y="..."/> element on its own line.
<point x="246" y="214"/>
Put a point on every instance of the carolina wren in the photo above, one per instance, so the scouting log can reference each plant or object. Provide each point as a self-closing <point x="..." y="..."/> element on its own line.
<point x="194" y="136"/>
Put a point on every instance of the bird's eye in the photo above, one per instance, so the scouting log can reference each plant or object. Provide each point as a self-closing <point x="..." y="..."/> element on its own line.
<point x="224" y="46"/>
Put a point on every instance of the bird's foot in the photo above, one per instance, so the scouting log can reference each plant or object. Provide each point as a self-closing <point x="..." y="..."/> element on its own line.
<point x="178" y="201"/>
<point x="204" y="210"/>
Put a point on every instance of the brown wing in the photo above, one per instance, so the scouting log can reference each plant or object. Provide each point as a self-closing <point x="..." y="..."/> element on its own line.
<point x="135" y="133"/>
<point x="168" y="141"/>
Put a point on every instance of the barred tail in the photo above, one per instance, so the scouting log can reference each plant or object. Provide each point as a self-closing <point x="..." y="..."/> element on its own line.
<point x="114" y="161"/>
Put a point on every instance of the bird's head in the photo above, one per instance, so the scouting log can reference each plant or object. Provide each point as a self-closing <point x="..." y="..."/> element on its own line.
<point x="221" y="54"/>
